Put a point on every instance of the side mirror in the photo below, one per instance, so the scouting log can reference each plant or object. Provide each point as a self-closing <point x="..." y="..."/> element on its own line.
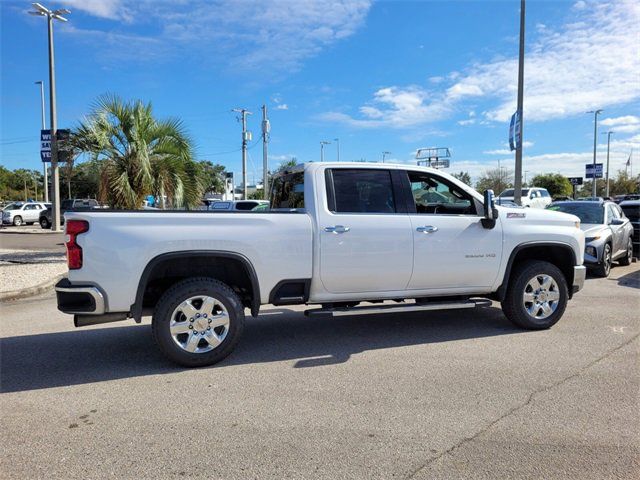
<point x="616" y="221"/>
<point x="489" y="220"/>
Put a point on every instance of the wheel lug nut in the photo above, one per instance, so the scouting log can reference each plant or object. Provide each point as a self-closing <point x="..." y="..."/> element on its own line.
<point x="209" y="320"/>
<point x="191" y="327"/>
<point x="197" y="315"/>
<point x="208" y="328"/>
<point x="205" y="315"/>
<point x="191" y="320"/>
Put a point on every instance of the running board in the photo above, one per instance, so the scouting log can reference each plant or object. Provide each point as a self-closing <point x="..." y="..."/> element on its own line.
<point x="411" y="307"/>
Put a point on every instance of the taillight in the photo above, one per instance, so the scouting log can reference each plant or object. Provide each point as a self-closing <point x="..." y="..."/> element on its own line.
<point x="74" y="251"/>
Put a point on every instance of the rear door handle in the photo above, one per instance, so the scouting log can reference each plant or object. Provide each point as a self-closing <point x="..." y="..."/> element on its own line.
<point x="337" y="229"/>
<point x="427" y="229"/>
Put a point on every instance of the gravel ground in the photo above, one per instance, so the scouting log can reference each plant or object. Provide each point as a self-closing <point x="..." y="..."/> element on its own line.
<point x="20" y="269"/>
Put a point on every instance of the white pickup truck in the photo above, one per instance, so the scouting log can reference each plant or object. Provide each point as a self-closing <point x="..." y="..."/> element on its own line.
<point x="337" y="234"/>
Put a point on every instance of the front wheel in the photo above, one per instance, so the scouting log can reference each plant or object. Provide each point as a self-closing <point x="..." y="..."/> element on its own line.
<point x="17" y="220"/>
<point x="537" y="295"/>
<point x="604" y="268"/>
<point x="198" y="322"/>
<point x="628" y="257"/>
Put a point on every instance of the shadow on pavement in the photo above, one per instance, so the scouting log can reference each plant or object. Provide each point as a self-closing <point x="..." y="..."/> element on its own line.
<point x="87" y="356"/>
<point x="630" y="280"/>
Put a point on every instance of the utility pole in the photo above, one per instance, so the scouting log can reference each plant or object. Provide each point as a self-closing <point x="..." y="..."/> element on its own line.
<point x="595" y="143"/>
<point x="337" y="140"/>
<point x="246" y="136"/>
<point x="322" y="144"/>
<point x="384" y="155"/>
<point x="266" y="128"/>
<point x="517" y="183"/>
<point x="44" y="127"/>
<point x="35" y="185"/>
<point x="55" y="174"/>
<point x="607" y="174"/>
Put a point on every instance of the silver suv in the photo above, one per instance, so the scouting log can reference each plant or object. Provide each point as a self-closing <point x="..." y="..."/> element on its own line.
<point x="19" y="213"/>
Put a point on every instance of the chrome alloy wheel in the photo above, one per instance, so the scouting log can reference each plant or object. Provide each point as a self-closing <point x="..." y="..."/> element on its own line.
<point x="541" y="296"/>
<point x="199" y="324"/>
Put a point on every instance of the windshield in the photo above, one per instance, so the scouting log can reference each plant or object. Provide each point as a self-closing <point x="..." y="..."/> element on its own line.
<point x="586" y="212"/>
<point x="13" y="206"/>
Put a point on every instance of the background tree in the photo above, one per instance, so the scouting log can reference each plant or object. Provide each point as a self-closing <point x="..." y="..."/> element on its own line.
<point x="496" y="179"/>
<point x="463" y="177"/>
<point x="212" y="176"/>
<point x="139" y="155"/>
<point x="556" y="184"/>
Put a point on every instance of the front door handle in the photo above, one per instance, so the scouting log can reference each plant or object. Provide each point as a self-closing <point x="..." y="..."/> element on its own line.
<point x="427" y="229"/>
<point x="337" y="229"/>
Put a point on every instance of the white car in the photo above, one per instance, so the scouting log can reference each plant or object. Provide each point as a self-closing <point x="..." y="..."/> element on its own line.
<point x="336" y="235"/>
<point x="533" y="197"/>
<point x="236" y="205"/>
<point x="19" y="213"/>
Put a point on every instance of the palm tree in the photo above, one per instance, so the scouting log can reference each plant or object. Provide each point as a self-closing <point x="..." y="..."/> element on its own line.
<point x="140" y="155"/>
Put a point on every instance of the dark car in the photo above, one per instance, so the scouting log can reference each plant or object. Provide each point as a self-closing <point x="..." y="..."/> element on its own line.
<point x="66" y="205"/>
<point x="608" y="233"/>
<point x="631" y="209"/>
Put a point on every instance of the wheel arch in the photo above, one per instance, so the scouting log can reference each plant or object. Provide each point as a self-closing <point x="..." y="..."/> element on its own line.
<point x="229" y="267"/>
<point x="559" y="254"/>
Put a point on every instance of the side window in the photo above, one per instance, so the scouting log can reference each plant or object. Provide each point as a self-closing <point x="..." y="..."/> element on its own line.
<point x="221" y="206"/>
<point x="30" y="207"/>
<point x="245" y="205"/>
<point x="611" y="213"/>
<point x="287" y="191"/>
<point x="545" y="193"/>
<point x="620" y="211"/>
<point x="434" y="195"/>
<point x="362" y="191"/>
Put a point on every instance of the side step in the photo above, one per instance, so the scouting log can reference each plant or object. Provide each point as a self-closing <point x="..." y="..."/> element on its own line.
<point x="411" y="307"/>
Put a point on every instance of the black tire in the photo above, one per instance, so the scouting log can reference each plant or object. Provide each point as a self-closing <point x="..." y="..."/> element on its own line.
<point x="604" y="268"/>
<point x="628" y="257"/>
<point x="513" y="304"/>
<point x="182" y="291"/>
<point x="17" y="221"/>
<point x="44" y="223"/>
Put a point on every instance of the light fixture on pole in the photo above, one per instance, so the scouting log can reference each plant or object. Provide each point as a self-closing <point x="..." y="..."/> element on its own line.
<point x="384" y="155"/>
<point x="595" y="143"/>
<point x="44" y="127"/>
<point x="608" y="134"/>
<point x="337" y="140"/>
<point x="322" y="144"/>
<point x="55" y="174"/>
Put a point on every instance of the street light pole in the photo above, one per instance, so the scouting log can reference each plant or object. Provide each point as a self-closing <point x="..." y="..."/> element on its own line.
<point x="245" y="138"/>
<point x="337" y="140"/>
<point x="55" y="174"/>
<point x="607" y="174"/>
<point x="322" y="144"/>
<point x="44" y="127"/>
<point x="595" y="143"/>
<point x="517" y="183"/>
<point x="384" y="155"/>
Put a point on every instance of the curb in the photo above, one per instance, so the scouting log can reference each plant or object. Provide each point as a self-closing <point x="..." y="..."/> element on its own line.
<point x="30" y="232"/>
<point x="31" y="291"/>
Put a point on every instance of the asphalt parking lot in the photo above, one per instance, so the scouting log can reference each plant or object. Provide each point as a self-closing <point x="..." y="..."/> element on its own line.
<point x="438" y="395"/>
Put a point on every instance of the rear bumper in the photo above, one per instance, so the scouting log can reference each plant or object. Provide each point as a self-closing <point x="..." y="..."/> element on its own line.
<point x="579" y="275"/>
<point x="84" y="299"/>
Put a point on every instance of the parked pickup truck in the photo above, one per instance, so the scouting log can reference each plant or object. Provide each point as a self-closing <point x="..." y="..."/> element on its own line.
<point x="337" y="234"/>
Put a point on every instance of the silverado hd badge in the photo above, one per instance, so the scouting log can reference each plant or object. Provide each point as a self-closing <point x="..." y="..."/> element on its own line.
<point x="516" y="215"/>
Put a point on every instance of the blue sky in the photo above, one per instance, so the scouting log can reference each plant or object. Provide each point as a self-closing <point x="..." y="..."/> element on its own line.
<point x="380" y="76"/>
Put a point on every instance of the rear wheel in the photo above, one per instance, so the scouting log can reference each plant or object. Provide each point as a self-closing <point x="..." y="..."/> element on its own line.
<point x="44" y="223"/>
<point x="537" y="295"/>
<point x="628" y="257"/>
<point x="17" y="220"/>
<point x="198" y="322"/>
<point x="604" y="268"/>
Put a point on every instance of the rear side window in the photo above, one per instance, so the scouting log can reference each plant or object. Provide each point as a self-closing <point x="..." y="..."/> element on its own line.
<point x="245" y="205"/>
<point x="362" y="191"/>
<point x="544" y="193"/>
<point x="287" y="191"/>
<point x="221" y="206"/>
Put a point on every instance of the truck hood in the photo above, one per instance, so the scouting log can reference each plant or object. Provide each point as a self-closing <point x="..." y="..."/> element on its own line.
<point x="537" y="215"/>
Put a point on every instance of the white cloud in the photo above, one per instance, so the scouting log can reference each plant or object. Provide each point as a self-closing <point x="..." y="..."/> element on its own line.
<point x="592" y="61"/>
<point x="282" y="106"/>
<point x="625" y="124"/>
<point x="110" y="9"/>
<point x="245" y="35"/>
